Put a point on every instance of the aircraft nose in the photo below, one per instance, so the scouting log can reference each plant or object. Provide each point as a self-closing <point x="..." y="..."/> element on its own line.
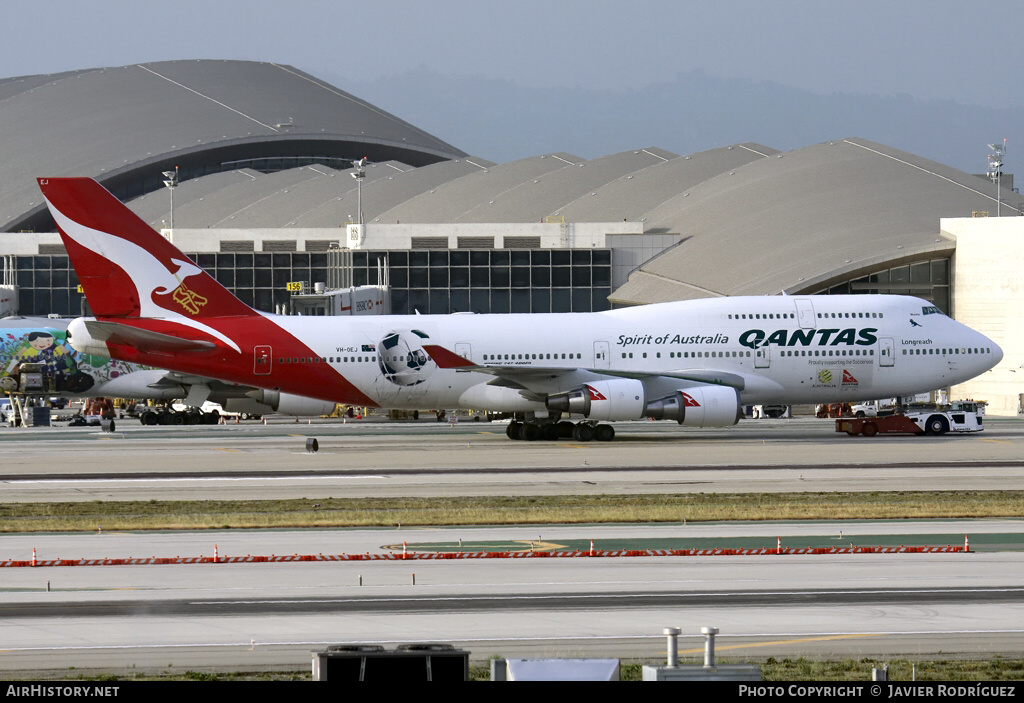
<point x="996" y="353"/>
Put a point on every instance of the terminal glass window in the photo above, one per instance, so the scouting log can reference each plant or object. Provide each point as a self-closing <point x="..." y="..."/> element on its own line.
<point x="929" y="280"/>
<point x="427" y="281"/>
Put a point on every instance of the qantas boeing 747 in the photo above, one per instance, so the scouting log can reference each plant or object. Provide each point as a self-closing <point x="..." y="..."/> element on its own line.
<point x="695" y="362"/>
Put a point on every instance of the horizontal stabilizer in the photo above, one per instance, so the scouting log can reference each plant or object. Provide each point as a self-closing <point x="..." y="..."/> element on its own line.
<point x="144" y="340"/>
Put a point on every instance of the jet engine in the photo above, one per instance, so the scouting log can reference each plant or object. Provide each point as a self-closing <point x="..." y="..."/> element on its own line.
<point x="624" y="399"/>
<point x="618" y="399"/>
<point x="289" y="404"/>
<point x="701" y="406"/>
<point x="83" y="342"/>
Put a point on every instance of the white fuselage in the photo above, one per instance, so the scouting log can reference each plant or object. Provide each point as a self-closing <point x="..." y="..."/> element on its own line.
<point x="775" y="349"/>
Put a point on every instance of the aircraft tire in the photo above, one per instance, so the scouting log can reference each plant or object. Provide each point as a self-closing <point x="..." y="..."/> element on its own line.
<point x="566" y="429"/>
<point x="512" y="431"/>
<point x="583" y="433"/>
<point x="530" y="431"/>
<point x="604" y="433"/>
<point x="550" y="432"/>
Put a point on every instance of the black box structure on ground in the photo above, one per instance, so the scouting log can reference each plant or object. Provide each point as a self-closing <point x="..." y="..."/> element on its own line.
<point x="407" y="662"/>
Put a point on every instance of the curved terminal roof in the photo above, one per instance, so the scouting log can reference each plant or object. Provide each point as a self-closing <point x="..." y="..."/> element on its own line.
<point x="632" y="196"/>
<point x="125" y="125"/>
<point x="533" y="200"/>
<point x="311" y="196"/>
<point x="802" y="220"/>
<point x="453" y="201"/>
<point x="750" y="219"/>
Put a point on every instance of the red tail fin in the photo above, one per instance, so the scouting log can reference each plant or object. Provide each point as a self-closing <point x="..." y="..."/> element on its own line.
<point x="126" y="268"/>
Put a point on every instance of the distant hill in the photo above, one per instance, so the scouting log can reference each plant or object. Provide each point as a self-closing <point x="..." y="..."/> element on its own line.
<point x="503" y="121"/>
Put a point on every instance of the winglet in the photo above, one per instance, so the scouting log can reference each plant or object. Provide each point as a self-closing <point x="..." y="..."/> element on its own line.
<point x="446" y="359"/>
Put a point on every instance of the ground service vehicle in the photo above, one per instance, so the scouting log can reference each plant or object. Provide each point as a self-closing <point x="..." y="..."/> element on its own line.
<point x="958" y="417"/>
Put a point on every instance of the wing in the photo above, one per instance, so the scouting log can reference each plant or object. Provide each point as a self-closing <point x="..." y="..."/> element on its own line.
<point x="516" y="375"/>
<point x="703" y="397"/>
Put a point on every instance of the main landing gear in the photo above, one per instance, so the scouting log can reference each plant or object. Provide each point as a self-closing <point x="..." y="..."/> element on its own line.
<point x="551" y="431"/>
<point x="192" y="416"/>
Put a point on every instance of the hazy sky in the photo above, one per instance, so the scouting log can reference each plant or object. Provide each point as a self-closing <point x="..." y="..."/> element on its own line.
<point x="970" y="52"/>
<point x="966" y="51"/>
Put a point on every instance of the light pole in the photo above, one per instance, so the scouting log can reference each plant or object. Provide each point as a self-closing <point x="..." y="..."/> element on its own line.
<point x="171" y="181"/>
<point x="995" y="171"/>
<point x="359" y="174"/>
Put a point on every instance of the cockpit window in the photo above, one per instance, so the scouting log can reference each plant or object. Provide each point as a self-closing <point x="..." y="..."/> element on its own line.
<point x="930" y="310"/>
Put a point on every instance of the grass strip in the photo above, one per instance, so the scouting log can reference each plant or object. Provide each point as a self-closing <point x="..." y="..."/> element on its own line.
<point x="505" y="510"/>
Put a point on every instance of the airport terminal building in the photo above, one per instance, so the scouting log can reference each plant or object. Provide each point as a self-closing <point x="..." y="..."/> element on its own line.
<point x="268" y="187"/>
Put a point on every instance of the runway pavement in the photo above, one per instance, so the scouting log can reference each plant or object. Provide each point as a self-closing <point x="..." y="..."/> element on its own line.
<point x="272" y="615"/>
<point x="254" y="461"/>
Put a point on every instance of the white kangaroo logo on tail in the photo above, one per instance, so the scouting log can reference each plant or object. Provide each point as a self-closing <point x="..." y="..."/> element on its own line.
<point x="142" y="266"/>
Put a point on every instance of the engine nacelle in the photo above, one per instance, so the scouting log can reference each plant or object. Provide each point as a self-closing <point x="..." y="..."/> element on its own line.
<point x="618" y="399"/>
<point x="289" y="404"/>
<point x="576" y="402"/>
<point x="145" y="383"/>
<point x="83" y="342"/>
<point x="500" y="398"/>
<point x="702" y="406"/>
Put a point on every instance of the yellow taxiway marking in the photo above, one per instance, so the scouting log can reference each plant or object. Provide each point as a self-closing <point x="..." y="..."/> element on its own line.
<point x="998" y="441"/>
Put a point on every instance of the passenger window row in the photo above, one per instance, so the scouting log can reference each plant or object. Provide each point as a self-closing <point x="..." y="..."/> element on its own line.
<point x="333" y="359"/>
<point x="761" y="316"/>
<point x="821" y="316"/>
<point x="925" y="351"/>
<point x="692" y="355"/>
<point x="828" y="352"/>
<point x="540" y="357"/>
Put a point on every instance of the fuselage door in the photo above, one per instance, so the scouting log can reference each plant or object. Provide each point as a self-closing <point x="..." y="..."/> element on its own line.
<point x="465" y="350"/>
<point x="602" y="357"/>
<point x="805" y="311"/>
<point x="262" y="358"/>
<point x="886" y="352"/>
<point x="762" y="357"/>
